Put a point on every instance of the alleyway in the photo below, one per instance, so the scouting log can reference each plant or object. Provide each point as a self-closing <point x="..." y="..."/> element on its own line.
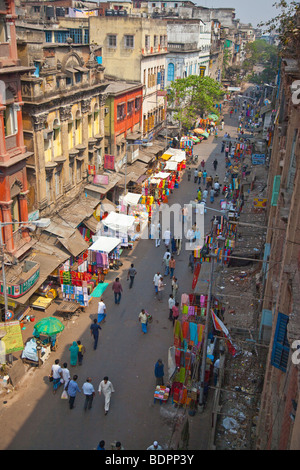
<point x="35" y="419"/>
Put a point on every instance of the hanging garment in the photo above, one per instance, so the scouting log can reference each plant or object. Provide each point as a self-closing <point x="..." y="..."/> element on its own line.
<point x="194" y="333"/>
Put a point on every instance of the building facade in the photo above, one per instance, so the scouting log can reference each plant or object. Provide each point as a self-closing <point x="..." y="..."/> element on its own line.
<point x="279" y="418"/>
<point x="63" y="115"/>
<point x="13" y="152"/>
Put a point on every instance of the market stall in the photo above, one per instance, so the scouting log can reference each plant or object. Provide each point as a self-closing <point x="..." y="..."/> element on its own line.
<point x="104" y="252"/>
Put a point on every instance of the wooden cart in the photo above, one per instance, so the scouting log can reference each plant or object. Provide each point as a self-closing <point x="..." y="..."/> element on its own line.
<point x="67" y="309"/>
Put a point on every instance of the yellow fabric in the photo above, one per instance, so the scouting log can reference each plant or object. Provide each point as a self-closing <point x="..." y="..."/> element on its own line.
<point x="166" y="156"/>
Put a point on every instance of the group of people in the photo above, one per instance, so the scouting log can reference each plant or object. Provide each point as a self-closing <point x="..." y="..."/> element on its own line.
<point x="60" y="376"/>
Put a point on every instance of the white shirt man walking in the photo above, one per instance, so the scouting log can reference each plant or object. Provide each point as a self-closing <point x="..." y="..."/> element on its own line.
<point x="106" y="387"/>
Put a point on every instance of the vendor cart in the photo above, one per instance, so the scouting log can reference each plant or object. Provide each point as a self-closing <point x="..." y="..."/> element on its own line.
<point x="67" y="309"/>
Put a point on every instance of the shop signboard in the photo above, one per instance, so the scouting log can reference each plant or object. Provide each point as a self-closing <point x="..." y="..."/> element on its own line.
<point x="258" y="159"/>
<point x="12" y="338"/>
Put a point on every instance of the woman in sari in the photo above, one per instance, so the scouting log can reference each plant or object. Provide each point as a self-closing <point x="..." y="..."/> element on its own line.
<point x="73" y="353"/>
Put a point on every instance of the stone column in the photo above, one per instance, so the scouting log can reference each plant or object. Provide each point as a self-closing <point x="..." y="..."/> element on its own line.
<point x="8" y="239"/>
<point x="85" y="109"/>
<point x="39" y="157"/>
<point x="64" y="116"/>
<point x="3" y="153"/>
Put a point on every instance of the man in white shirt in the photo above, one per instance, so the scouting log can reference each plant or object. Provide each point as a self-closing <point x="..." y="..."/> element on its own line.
<point x="155" y="446"/>
<point x="101" y="310"/>
<point x="89" y="392"/>
<point x="155" y="281"/>
<point x="65" y="375"/>
<point x="167" y="238"/>
<point x="56" y="373"/>
<point x="171" y="303"/>
<point x="107" y="388"/>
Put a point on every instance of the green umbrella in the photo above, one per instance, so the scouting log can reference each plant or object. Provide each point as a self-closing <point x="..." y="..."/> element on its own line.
<point x="49" y="326"/>
<point x="205" y="134"/>
<point x="214" y="117"/>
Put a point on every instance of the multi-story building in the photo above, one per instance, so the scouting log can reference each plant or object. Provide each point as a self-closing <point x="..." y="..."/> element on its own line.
<point x="279" y="418"/>
<point x="189" y="44"/>
<point x="13" y="152"/>
<point x="135" y="49"/>
<point x="63" y="113"/>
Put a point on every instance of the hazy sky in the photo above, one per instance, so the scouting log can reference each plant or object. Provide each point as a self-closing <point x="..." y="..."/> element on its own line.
<point x="248" y="11"/>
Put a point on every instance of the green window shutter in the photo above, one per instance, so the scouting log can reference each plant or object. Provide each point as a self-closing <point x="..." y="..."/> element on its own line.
<point x="275" y="193"/>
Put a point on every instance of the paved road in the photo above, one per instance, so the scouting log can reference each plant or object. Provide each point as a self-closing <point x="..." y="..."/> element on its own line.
<point x="35" y="419"/>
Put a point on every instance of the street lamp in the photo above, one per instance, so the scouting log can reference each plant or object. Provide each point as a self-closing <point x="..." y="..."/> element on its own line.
<point x="42" y="223"/>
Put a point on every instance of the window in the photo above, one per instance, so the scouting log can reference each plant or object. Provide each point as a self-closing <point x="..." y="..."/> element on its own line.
<point x="56" y="140"/>
<point x="86" y="36"/>
<point x="76" y="35"/>
<point x="78" y="170"/>
<point x="121" y="111"/>
<point x="171" y="72"/>
<point x="281" y="348"/>
<point x="78" y="77"/>
<point x="96" y="121"/>
<point x="48" y="36"/>
<point x="130" y="106"/>
<point x="71" y="173"/>
<point x="147" y="42"/>
<point x="138" y="103"/>
<point x="10" y="115"/>
<point x="49" y="188"/>
<point x="78" y="133"/>
<point x="69" y="81"/>
<point x="129" y="42"/>
<point x="155" y="42"/>
<point x="90" y="126"/>
<point x="60" y="36"/>
<point x="112" y="40"/>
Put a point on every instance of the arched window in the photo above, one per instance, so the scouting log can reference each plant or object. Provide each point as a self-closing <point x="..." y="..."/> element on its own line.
<point x="96" y="120"/>
<point x="171" y="72"/>
<point x="10" y="115"/>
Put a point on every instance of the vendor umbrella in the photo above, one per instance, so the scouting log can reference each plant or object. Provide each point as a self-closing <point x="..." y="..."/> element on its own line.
<point x="49" y="326"/>
<point x="199" y="130"/>
<point x="214" y="117"/>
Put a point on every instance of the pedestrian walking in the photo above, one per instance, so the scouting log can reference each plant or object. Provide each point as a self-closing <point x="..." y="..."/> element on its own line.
<point x="166" y="262"/>
<point x="81" y="351"/>
<point x="154" y="446"/>
<point x="173" y="246"/>
<point x="175" y="287"/>
<point x="106" y="387"/>
<point x="204" y="177"/>
<point x="171" y="303"/>
<point x="160" y="288"/>
<point x="199" y="195"/>
<point x="131" y="275"/>
<point x="212" y="195"/>
<point x="89" y="393"/>
<point x="101" y="310"/>
<point x="172" y="264"/>
<point x="72" y="391"/>
<point x="56" y="374"/>
<point x="191" y="261"/>
<point x="155" y="281"/>
<point x="159" y="372"/>
<point x="175" y="312"/>
<point x="95" y="332"/>
<point x="215" y="163"/>
<point x="204" y="195"/>
<point x="116" y="446"/>
<point x="101" y="445"/>
<point x="195" y="175"/>
<point x="65" y="375"/>
<point x="73" y="354"/>
<point x="189" y="174"/>
<point x="167" y="238"/>
<point x="200" y="173"/>
<point x="203" y="164"/>
<point x="143" y="319"/>
<point x="216" y="371"/>
<point x="178" y="246"/>
<point x="157" y="235"/>
<point x="117" y="290"/>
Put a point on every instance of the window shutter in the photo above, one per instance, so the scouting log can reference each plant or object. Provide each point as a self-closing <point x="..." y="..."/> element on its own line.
<point x="281" y="348"/>
<point x="275" y="193"/>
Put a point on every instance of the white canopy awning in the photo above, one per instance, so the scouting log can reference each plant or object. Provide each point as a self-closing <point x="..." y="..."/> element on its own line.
<point x="177" y="158"/>
<point x="171" y="166"/>
<point x="106" y="244"/>
<point x="132" y="199"/>
<point x="161" y="175"/>
<point x="119" y="222"/>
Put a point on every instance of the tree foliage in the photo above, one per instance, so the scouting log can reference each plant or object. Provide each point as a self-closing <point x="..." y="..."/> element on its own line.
<point x="194" y="96"/>
<point x="286" y="25"/>
<point x="260" y="52"/>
